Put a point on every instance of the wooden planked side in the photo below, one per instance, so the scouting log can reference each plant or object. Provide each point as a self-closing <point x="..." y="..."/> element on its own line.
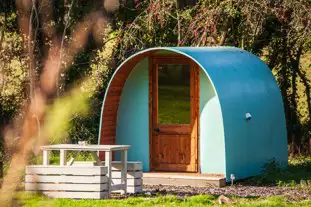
<point x="150" y="111"/>
<point x="132" y="189"/>
<point x="195" y="113"/>
<point x="153" y="113"/>
<point x="185" y="182"/>
<point x="130" y="182"/>
<point x="80" y="195"/>
<point x="116" y="165"/>
<point x="117" y="187"/>
<point x="131" y="166"/>
<point x="130" y="175"/>
<point x="65" y="179"/>
<point x="113" y="98"/>
<point x="66" y="170"/>
<point x="65" y="187"/>
<point x="84" y="163"/>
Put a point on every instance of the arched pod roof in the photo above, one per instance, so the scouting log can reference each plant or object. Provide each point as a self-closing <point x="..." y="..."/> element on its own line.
<point x="243" y="84"/>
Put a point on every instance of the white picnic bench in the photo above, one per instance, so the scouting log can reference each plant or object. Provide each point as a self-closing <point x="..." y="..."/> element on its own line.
<point x="94" y="149"/>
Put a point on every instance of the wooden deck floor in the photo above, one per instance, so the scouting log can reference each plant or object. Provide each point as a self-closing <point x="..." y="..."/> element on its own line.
<point x="183" y="179"/>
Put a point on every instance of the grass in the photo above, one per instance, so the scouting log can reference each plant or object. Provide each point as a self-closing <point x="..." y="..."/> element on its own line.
<point x="298" y="169"/>
<point x="36" y="200"/>
<point x="297" y="174"/>
<point x="54" y="157"/>
<point x="174" y="104"/>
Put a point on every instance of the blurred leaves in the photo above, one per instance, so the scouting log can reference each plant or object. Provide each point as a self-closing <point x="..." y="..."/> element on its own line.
<point x="57" y="121"/>
<point x="34" y="61"/>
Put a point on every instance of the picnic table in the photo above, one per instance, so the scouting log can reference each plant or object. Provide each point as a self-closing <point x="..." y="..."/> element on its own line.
<point x="94" y="149"/>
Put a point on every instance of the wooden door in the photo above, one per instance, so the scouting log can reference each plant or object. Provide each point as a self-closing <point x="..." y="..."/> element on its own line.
<point x="174" y="107"/>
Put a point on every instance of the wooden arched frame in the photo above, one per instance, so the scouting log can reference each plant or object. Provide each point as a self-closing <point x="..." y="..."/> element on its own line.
<point x="184" y="158"/>
<point x="113" y="95"/>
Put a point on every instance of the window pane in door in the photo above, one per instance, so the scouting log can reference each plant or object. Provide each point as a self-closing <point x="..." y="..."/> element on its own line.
<point x="174" y="94"/>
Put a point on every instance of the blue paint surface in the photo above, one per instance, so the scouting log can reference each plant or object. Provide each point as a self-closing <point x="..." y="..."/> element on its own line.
<point x="133" y="115"/>
<point x="212" y="142"/>
<point x="245" y="84"/>
<point x="233" y="83"/>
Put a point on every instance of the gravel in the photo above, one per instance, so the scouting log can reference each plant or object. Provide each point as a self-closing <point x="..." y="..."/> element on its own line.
<point x="293" y="194"/>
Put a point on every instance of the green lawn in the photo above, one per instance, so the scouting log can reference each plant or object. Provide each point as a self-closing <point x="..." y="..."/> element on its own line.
<point x="174" y="104"/>
<point x="35" y="200"/>
<point x="298" y="170"/>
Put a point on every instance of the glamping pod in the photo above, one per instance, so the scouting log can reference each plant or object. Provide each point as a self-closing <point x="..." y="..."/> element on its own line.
<point x="208" y="110"/>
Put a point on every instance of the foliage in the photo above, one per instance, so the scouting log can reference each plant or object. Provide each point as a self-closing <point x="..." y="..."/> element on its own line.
<point x="52" y="98"/>
<point x="92" y="63"/>
<point x="153" y="24"/>
<point x="12" y="70"/>
<point x="99" y="71"/>
<point x="297" y="174"/>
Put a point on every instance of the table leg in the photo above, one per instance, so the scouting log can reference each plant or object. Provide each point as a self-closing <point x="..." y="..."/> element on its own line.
<point x="62" y="157"/>
<point x="96" y="158"/>
<point x="46" y="157"/>
<point x="108" y="160"/>
<point x="124" y="169"/>
<point x="71" y="161"/>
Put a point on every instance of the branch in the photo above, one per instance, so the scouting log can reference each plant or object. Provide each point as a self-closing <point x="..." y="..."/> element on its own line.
<point x="62" y="45"/>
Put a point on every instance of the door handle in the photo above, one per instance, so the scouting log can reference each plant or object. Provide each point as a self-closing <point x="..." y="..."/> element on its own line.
<point x="156" y="130"/>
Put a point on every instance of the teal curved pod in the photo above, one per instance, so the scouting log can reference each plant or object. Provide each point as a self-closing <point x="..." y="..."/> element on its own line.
<point x="242" y="121"/>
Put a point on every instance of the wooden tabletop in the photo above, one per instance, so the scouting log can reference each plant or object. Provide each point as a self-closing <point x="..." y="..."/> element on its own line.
<point x="91" y="147"/>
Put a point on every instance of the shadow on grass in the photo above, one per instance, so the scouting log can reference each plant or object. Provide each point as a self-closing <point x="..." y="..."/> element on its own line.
<point x="296" y="174"/>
